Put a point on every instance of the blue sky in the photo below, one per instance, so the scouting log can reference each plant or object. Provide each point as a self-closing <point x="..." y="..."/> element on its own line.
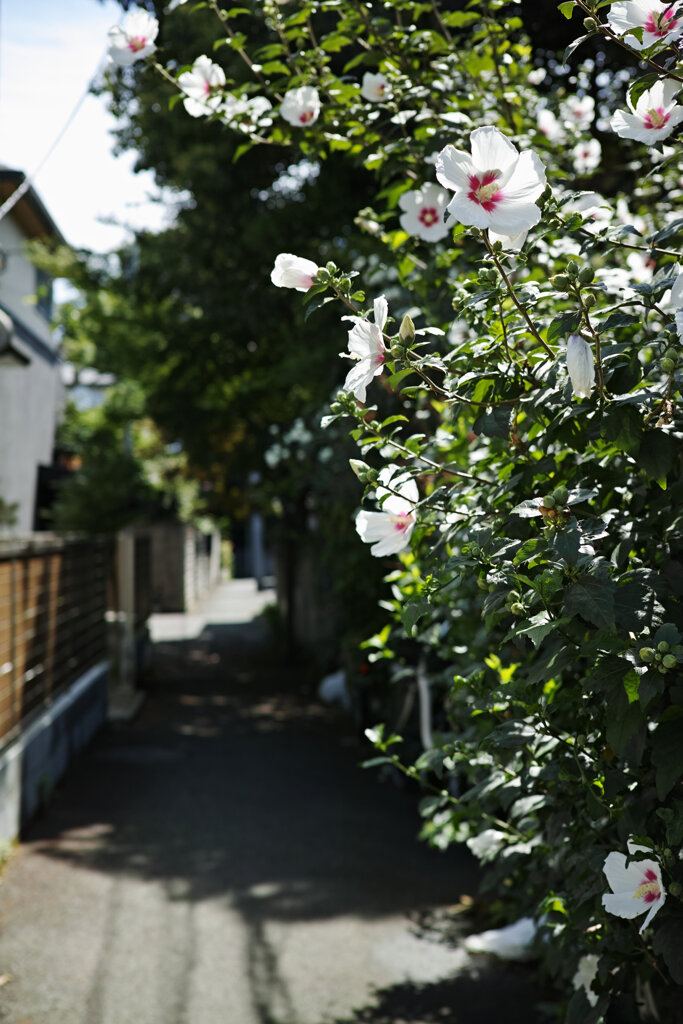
<point x="49" y="50"/>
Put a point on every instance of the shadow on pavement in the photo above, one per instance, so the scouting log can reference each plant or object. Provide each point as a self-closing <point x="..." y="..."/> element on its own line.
<point x="232" y="785"/>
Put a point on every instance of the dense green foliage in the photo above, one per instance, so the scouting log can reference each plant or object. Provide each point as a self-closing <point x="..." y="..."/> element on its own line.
<point x="541" y="593"/>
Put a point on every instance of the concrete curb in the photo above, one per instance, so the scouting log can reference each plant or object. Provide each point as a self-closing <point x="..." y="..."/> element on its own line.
<point x="32" y="764"/>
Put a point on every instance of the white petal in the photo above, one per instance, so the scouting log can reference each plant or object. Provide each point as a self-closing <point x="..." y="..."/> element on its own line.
<point x="622" y="905"/>
<point x="623" y="879"/>
<point x="358" y="378"/>
<point x="654" y="907"/>
<point x="373" y="526"/>
<point x="528" y="178"/>
<point x="365" y="340"/>
<point x="381" y="310"/>
<point x="454" y="168"/>
<point x="677" y="292"/>
<point x="492" y="150"/>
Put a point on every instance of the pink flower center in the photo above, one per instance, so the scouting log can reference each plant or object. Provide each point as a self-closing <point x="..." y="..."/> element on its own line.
<point x="484" y="190"/>
<point x="306" y="117"/>
<point x="656" y="117"/>
<point x="402" y="520"/>
<point x="649" y="890"/>
<point x="659" y="24"/>
<point x="136" y="43"/>
<point x="428" y="216"/>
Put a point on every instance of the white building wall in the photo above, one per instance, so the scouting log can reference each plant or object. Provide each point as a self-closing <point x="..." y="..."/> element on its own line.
<point x="31" y="396"/>
<point x="18" y="282"/>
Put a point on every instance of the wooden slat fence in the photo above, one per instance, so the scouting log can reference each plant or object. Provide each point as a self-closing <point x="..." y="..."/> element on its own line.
<point x="53" y="600"/>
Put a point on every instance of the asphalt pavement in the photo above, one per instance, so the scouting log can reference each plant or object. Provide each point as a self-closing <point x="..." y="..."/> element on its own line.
<point x="223" y="859"/>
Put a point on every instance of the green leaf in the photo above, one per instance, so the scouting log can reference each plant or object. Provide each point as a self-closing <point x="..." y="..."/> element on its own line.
<point x="563" y="325"/>
<point x="494" y="422"/>
<point x="658" y="453"/>
<point x="632" y="685"/>
<point x="622" y="724"/>
<point x="572" y="47"/>
<point x="667" y="944"/>
<point x="567" y="8"/>
<point x="667" y="755"/>
<point x="592" y="599"/>
<point x="411" y="615"/>
<point x="640" y="86"/>
<point x="615" y="320"/>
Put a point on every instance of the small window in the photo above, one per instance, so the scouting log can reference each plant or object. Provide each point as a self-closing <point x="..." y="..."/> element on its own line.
<point x="44" y="293"/>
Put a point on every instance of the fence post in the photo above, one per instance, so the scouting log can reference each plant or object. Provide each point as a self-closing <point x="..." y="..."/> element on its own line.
<point x="125" y="569"/>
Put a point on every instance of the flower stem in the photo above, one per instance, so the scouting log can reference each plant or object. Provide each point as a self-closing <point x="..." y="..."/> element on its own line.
<point x="511" y="292"/>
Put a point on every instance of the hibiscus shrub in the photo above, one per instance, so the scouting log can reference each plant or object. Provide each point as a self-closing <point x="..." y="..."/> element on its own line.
<point x="522" y="445"/>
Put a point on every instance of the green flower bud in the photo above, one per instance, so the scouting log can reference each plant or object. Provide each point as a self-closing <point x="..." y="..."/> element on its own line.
<point x="658" y="657"/>
<point x="474" y="549"/>
<point x="646" y="654"/>
<point x="345" y="284"/>
<point x="586" y="275"/>
<point x="561" y="281"/>
<point x="560" y="494"/>
<point x="660" y="668"/>
<point x="669" y="661"/>
<point x="590" y="300"/>
<point x="366" y="474"/>
<point x="549" y="501"/>
<point x="676" y="889"/>
<point x="591" y="25"/>
<point x="517" y="608"/>
<point x="573" y="268"/>
<point x="663" y="647"/>
<point x="671" y="354"/>
<point x="330" y="267"/>
<point x="668" y="365"/>
<point x="406" y="331"/>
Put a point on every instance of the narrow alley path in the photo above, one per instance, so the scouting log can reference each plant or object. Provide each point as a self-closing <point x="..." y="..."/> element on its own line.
<point x="223" y="860"/>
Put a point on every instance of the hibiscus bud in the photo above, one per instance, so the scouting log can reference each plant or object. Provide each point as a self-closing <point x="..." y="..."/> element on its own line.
<point x="663" y="647"/>
<point x="560" y="494"/>
<point x="366" y="474"/>
<point x="573" y="268"/>
<point x="668" y="365"/>
<point x="591" y="26"/>
<point x="586" y="275"/>
<point x="517" y="608"/>
<point x="561" y="281"/>
<point x="669" y="661"/>
<point x="646" y="654"/>
<point x="580" y="366"/>
<point x="549" y="501"/>
<point x="671" y="354"/>
<point x="406" y="331"/>
<point x="676" y="889"/>
<point x="590" y="300"/>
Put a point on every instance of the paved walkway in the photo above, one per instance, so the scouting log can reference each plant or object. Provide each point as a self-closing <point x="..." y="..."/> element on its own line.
<point x="223" y="860"/>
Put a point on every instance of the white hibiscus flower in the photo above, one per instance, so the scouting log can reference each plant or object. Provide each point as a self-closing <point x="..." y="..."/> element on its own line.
<point x="366" y="346"/>
<point x="423" y="213"/>
<point x="134" y="39"/>
<point x="389" y="530"/>
<point x="495" y="187"/>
